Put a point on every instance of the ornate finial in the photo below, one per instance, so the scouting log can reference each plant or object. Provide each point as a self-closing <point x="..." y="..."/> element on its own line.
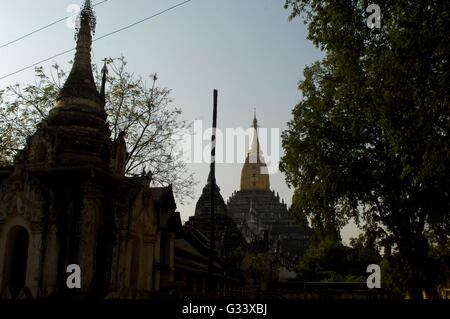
<point x="86" y="13"/>
<point x="146" y="178"/>
<point x="105" y="67"/>
<point x="255" y="121"/>
<point x="104" y="74"/>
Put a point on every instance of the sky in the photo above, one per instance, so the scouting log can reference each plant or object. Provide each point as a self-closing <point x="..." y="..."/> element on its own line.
<point x="246" y="49"/>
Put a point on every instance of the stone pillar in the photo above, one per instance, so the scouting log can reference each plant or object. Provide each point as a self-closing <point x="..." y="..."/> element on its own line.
<point x="88" y="237"/>
<point x="218" y="287"/>
<point x="171" y="257"/>
<point x="127" y="265"/>
<point x="3" y="240"/>
<point x="122" y="280"/>
<point x="113" y="284"/>
<point x="136" y="263"/>
<point x="203" y="284"/>
<point x="34" y="261"/>
<point x="157" y="250"/>
<point x="147" y="262"/>
<point x="157" y="280"/>
<point x="157" y="259"/>
<point x="51" y="261"/>
<point x="194" y="284"/>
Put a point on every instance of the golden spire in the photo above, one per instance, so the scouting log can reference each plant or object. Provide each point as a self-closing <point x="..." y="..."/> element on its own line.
<point x="251" y="176"/>
<point x="254" y="153"/>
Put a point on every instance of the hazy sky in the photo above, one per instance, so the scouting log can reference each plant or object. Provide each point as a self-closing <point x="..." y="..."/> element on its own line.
<point x="247" y="49"/>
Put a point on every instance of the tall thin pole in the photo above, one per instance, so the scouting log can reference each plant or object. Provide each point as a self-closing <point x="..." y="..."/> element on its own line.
<point x="213" y="190"/>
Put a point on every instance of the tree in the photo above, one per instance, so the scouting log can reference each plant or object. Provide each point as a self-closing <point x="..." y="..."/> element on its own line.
<point x="143" y="112"/>
<point x="324" y="223"/>
<point x="6" y="140"/>
<point x="435" y="274"/>
<point x="333" y="261"/>
<point x="369" y="139"/>
<point x="261" y="269"/>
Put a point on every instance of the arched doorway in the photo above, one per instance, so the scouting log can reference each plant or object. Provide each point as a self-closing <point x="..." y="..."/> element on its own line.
<point x="16" y="259"/>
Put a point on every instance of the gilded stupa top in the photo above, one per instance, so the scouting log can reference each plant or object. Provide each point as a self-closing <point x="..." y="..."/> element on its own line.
<point x="253" y="174"/>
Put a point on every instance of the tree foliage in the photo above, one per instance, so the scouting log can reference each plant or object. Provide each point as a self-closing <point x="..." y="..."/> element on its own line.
<point x="144" y="112"/>
<point x="369" y="139"/>
<point x="261" y="268"/>
<point x="333" y="261"/>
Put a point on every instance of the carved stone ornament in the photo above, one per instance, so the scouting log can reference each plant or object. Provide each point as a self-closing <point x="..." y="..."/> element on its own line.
<point x="20" y="195"/>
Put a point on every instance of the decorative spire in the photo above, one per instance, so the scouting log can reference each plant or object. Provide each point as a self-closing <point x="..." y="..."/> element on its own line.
<point x="208" y="181"/>
<point x="253" y="174"/>
<point x="80" y="83"/>
<point x="86" y="13"/>
<point x="254" y="153"/>
<point x="104" y="74"/>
